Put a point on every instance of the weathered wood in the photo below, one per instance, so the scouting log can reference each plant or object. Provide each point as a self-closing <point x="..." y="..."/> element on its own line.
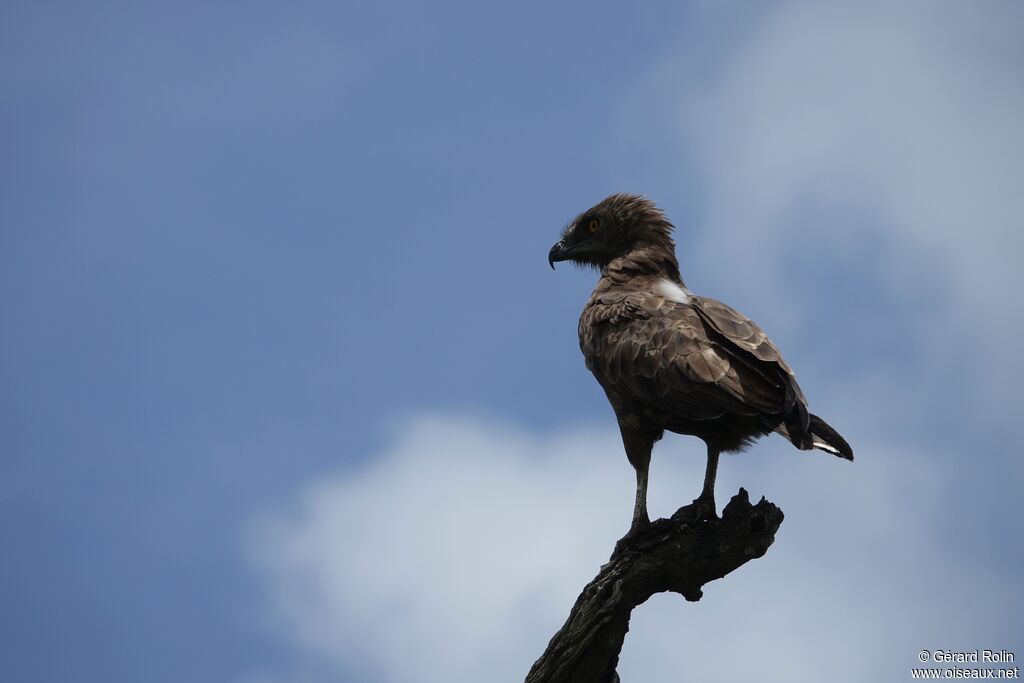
<point x="679" y="554"/>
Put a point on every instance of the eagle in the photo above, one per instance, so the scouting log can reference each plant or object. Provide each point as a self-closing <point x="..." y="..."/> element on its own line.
<point x="669" y="360"/>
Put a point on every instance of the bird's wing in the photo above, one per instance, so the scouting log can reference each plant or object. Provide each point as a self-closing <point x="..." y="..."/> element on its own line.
<point x="698" y="360"/>
<point x="747" y="343"/>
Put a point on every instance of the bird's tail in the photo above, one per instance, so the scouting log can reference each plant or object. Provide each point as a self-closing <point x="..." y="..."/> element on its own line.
<point x="829" y="440"/>
<point x="819" y="435"/>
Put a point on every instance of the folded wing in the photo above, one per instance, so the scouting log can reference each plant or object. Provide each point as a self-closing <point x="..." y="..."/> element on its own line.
<point x="697" y="361"/>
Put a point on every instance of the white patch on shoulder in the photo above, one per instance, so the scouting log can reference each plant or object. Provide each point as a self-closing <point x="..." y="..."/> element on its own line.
<point x="672" y="291"/>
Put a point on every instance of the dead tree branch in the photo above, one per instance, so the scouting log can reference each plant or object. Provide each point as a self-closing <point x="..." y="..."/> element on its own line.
<point x="678" y="554"/>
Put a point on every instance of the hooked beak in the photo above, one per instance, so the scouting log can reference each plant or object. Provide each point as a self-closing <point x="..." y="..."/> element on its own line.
<point x="557" y="253"/>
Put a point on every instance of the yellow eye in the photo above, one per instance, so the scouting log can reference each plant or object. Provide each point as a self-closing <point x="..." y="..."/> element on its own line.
<point x="593" y="225"/>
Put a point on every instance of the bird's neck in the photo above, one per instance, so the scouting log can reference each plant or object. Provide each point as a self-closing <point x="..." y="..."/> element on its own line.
<point x="651" y="260"/>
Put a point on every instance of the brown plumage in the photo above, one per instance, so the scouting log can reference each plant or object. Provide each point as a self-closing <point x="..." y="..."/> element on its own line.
<point x="670" y="360"/>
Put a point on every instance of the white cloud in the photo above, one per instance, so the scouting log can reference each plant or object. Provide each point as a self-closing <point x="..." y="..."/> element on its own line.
<point x="891" y="131"/>
<point x="457" y="552"/>
<point x="453" y="552"/>
<point x="911" y="109"/>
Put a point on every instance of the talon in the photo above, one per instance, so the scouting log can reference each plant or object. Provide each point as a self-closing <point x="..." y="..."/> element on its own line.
<point x="704" y="510"/>
<point x="632" y="536"/>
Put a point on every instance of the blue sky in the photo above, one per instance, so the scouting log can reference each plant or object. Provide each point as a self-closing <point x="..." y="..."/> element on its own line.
<point x="279" y="348"/>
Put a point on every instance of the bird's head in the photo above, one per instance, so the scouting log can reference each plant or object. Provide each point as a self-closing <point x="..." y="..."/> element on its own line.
<point x="612" y="228"/>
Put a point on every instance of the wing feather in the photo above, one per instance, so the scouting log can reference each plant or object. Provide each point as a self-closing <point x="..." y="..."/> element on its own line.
<point x="698" y="360"/>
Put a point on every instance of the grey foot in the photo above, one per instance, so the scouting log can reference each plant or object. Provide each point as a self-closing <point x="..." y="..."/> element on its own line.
<point x="703" y="509"/>
<point x="635" y="533"/>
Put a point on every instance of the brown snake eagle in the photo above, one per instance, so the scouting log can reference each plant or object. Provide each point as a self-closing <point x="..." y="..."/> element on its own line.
<point x="671" y="360"/>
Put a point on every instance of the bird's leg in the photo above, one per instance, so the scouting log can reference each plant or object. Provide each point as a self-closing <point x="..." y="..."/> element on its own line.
<point x="640" y="518"/>
<point x="641" y="521"/>
<point x="638" y="443"/>
<point x="705" y="503"/>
